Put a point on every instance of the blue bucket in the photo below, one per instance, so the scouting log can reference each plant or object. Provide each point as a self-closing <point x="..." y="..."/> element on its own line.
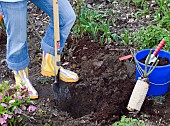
<point x="160" y="77"/>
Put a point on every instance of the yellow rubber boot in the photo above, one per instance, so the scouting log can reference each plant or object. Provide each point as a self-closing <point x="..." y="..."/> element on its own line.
<point x="47" y="69"/>
<point x="21" y="77"/>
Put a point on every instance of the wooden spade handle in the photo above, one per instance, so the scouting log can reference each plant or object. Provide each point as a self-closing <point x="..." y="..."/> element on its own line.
<point x="57" y="62"/>
<point x="161" y="44"/>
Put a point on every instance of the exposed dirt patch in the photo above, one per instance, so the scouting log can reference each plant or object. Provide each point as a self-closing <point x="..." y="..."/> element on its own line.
<point x="101" y="83"/>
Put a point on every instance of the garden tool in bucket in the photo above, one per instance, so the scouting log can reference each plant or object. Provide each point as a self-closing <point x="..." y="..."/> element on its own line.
<point x="60" y="89"/>
<point x="153" y="56"/>
<point x="142" y="86"/>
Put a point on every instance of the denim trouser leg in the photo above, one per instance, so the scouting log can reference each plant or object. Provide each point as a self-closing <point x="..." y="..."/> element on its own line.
<point x="66" y="20"/>
<point x="15" y="19"/>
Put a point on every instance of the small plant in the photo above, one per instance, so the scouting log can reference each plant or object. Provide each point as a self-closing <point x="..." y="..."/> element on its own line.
<point x="107" y="35"/>
<point x="14" y="103"/>
<point x="158" y="99"/>
<point x="92" y="21"/>
<point x="143" y="11"/>
<point x="165" y="22"/>
<point x="125" y="121"/>
<point x="139" y="2"/>
<point x="149" y="37"/>
<point x="77" y="29"/>
<point x="163" y="9"/>
<point x="126" y="37"/>
<point x="43" y="80"/>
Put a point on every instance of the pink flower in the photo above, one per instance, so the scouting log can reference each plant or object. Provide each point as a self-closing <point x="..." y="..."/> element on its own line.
<point x="14" y="96"/>
<point x="24" y="108"/>
<point x="0" y="96"/>
<point x="17" y="111"/>
<point x="12" y="85"/>
<point x="7" y="116"/>
<point x="23" y="88"/>
<point x="19" y="95"/>
<point x="11" y="101"/>
<point x="4" y="125"/>
<point x="7" y="92"/>
<point x="3" y="104"/>
<point x="31" y="108"/>
<point x="2" y="121"/>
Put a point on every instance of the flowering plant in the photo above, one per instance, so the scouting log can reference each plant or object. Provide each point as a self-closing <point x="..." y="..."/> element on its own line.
<point x="14" y="102"/>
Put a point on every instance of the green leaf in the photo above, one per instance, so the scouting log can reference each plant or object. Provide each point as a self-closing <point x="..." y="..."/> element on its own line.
<point x="83" y="21"/>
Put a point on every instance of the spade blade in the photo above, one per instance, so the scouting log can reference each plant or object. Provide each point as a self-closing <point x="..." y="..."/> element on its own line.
<point x="62" y="94"/>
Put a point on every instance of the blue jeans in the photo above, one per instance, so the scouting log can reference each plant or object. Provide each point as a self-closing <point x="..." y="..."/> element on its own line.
<point x="15" y="19"/>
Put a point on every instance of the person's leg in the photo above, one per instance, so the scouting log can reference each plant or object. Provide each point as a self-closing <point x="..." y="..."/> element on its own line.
<point x="15" y="19"/>
<point x="66" y="21"/>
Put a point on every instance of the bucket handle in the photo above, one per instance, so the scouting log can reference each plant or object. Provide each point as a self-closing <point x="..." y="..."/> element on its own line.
<point x="160" y="84"/>
<point x="141" y="74"/>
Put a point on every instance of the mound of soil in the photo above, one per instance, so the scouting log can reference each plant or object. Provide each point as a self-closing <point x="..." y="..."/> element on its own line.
<point x="105" y="82"/>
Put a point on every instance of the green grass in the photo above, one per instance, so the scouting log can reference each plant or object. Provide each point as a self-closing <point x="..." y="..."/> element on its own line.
<point x="125" y="121"/>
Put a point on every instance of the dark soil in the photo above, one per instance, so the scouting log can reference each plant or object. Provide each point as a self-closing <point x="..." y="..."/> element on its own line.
<point x="101" y="95"/>
<point x="162" y="61"/>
